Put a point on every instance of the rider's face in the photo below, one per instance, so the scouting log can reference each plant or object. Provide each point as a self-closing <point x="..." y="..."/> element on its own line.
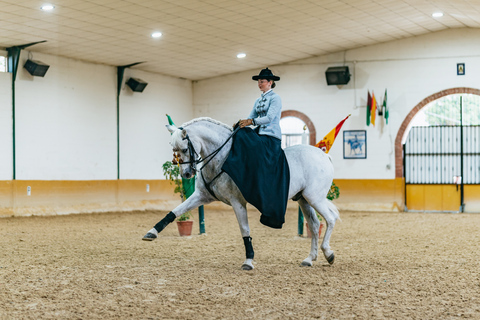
<point x="264" y="85"/>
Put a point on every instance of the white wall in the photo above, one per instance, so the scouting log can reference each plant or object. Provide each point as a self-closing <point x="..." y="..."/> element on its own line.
<point x="6" y="171"/>
<point x="144" y="140"/>
<point x="66" y="122"/>
<point x="410" y="69"/>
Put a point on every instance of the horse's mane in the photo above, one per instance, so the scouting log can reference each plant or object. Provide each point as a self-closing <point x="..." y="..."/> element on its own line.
<point x="186" y="124"/>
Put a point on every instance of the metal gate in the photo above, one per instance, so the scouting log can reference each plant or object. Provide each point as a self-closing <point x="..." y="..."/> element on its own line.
<point x="446" y="157"/>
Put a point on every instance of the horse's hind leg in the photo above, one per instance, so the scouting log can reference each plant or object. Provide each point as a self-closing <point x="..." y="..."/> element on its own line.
<point x="313" y="224"/>
<point x="330" y="213"/>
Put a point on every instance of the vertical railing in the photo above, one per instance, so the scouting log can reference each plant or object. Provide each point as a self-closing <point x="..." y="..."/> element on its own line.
<point x="462" y="205"/>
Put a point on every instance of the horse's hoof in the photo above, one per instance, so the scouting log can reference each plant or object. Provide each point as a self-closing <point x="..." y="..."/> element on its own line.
<point x="149" y="237"/>
<point x="247" y="267"/>
<point x="305" y="264"/>
<point x="331" y="259"/>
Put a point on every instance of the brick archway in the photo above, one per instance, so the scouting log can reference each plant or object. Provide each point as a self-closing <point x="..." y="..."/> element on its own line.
<point x="306" y="120"/>
<point x="403" y="128"/>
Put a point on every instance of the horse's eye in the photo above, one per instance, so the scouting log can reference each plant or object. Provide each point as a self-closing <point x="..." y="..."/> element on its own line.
<point x="184" y="150"/>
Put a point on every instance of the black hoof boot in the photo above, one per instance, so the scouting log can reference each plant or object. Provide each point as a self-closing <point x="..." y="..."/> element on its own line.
<point x="149" y="237"/>
<point x="331" y="259"/>
<point x="246" y="267"/>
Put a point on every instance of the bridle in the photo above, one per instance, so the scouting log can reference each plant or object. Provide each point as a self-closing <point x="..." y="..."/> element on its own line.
<point x="192" y="155"/>
<point x="195" y="157"/>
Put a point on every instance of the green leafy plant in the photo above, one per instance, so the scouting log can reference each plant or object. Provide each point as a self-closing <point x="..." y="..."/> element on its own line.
<point x="334" y="192"/>
<point x="172" y="172"/>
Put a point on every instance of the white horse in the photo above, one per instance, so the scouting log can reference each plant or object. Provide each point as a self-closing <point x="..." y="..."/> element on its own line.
<point x="311" y="175"/>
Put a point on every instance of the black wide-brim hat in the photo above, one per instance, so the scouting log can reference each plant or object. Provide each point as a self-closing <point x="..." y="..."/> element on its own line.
<point x="267" y="75"/>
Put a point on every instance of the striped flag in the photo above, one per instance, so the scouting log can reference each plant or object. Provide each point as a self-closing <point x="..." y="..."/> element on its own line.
<point x="385" y="107"/>
<point x="374" y="109"/>
<point x="369" y="107"/>
<point x="380" y="111"/>
<point x="326" y="143"/>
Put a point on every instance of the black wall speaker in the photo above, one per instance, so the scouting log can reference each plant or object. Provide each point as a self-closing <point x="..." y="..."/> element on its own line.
<point x="36" y="68"/>
<point x="337" y="75"/>
<point x="136" y="85"/>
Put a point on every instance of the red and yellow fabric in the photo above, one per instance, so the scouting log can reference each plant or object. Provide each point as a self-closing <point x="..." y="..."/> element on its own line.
<point x="369" y="108"/>
<point x="326" y="143"/>
<point x="374" y="109"/>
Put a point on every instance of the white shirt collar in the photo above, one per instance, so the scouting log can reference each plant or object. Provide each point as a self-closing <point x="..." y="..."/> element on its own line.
<point x="263" y="94"/>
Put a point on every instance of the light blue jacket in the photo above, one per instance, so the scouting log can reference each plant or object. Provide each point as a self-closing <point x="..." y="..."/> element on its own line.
<point x="266" y="114"/>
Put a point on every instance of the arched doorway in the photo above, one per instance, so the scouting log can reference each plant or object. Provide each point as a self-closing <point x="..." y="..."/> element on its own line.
<point x="403" y="131"/>
<point x="306" y="120"/>
<point x="431" y="156"/>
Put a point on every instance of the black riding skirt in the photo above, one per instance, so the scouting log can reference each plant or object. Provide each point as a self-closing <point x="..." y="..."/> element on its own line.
<point x="258" y="166"/>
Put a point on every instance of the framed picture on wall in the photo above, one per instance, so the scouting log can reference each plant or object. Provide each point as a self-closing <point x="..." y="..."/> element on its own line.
<point x="460" y="69"/>
<point x="355" y="144"/>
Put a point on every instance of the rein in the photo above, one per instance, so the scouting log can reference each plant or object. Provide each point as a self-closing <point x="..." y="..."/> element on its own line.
<point x="193" y="161"/>
<point x="214" y="153"/>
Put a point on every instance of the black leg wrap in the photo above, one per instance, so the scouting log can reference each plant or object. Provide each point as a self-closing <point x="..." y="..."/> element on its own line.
<point x="165" y="221"/>
<point x="247" y="241"/>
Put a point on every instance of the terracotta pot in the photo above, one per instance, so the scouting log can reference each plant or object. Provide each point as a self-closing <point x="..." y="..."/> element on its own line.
<point x="185" y="227"/>
<point x="309" y="234"/>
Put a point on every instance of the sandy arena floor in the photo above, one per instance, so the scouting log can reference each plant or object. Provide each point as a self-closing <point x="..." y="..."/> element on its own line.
<point x="95" y="266"/>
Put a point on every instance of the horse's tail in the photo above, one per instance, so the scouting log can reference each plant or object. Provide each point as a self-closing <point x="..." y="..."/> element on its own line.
<point x="333" y="208"/>
<point x="329" y="158"/>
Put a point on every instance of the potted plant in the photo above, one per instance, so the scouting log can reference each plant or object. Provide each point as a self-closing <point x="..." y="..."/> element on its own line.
<point x="184" y="222"/>
<point x="333" y="194"/>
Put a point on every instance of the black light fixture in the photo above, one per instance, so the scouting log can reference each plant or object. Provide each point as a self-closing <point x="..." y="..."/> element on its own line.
<point x="36" y="68"/>
<point x="337" y="75"/>
<point x="136" y="84"/>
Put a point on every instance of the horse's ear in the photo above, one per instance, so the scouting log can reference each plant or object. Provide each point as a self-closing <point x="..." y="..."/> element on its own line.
<point x="184" y="133"/>
<point x="171" y="128"/>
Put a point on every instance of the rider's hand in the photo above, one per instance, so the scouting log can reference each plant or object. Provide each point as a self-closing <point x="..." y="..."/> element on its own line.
<point x="244" y="123"/>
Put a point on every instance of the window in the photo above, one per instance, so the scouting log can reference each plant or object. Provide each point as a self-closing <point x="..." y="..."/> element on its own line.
<point x="446" y="111"/>
<point x="294" y="131"/>
<point x="3" y="62"/>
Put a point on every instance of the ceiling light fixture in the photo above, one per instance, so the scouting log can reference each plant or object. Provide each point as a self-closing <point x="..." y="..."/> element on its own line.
<point x="47" y="7"/>
<point x="437" y="14"/>
<point x="156" y="34"/>
<point x="241" y="55"/>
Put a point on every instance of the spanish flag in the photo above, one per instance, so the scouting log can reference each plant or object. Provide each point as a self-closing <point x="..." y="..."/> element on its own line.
<point x="327" y="142"/>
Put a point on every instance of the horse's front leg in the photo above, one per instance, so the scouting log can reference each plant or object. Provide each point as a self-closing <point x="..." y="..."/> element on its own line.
<point x="242" y="218"/>
<point x="194" y="201"/>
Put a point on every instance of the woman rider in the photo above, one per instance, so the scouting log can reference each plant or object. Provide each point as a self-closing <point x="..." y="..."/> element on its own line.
<point x="256" y="162"/>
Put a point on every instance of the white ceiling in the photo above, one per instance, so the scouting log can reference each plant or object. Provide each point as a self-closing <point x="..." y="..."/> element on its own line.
<point x="201" y="38"/>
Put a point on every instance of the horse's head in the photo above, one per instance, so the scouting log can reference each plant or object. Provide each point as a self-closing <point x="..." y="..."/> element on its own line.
<point x="183" y="152"/>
